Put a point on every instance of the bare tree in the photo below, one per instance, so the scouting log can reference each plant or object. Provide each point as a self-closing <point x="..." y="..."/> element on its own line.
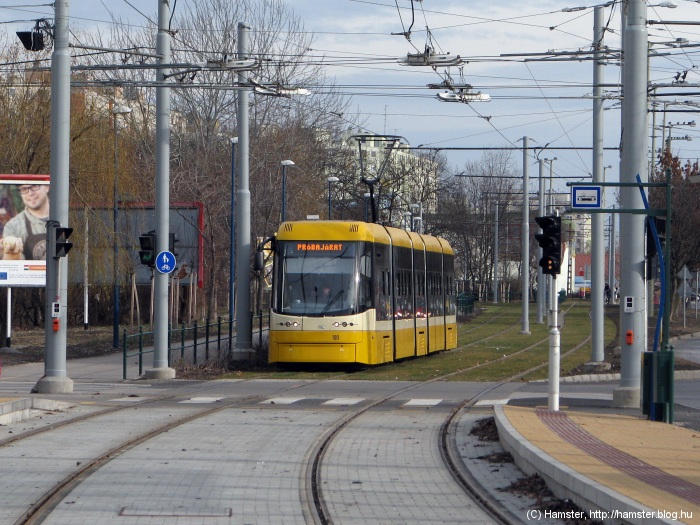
<point x="466" y="214"/>
<point x="685" y="218"/>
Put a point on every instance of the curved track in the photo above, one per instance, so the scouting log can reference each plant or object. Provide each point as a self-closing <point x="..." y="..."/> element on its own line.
<point x="318" y="493"/>
<point x="488" y="508"/>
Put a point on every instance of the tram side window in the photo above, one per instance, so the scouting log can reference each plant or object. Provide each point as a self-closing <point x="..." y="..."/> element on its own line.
<point x="450" y="294"/>
<point x="435" y="298"/>
<point x="382" y="280"/>
<point x="403" y="282"/>
<point x="365" y="299"/>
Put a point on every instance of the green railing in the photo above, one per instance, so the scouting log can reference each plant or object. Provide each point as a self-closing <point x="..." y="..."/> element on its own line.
<point x="208" y="337"/>
<point x="465" y="303"/>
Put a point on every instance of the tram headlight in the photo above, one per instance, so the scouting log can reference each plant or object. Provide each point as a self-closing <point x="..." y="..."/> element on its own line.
<point x="291" y="323"/>
<point x="336" y="324"/>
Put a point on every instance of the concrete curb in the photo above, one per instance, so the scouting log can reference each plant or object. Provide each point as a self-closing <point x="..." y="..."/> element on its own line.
<point x="19" y="409"/>
<point x="562" y="480"/>
<point x="598" y="378"/>
<point x="685" y="336"/>
<point x="595" y="378"/>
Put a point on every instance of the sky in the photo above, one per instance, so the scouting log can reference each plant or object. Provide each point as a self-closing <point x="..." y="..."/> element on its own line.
<point x="542" y="101"/>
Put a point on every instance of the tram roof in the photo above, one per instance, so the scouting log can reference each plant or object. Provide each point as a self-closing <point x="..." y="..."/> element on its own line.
<point x="359" y="231"/>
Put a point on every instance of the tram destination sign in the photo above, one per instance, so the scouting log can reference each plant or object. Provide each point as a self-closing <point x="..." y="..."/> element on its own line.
<point x="586" y="196"/>
<point x="319" y="246"/>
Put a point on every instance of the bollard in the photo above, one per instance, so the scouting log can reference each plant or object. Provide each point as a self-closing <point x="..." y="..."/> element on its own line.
<point x="230" y="334"/>
<point x="194" y="350"/>
<point x="260" y="329"/>
<point x="140" y="351"/>
<point x="206" y="339"/>
<point x="124" y="356"/>
<point x="218" y="337"/>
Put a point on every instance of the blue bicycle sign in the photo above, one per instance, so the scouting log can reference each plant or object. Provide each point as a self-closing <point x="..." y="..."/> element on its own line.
<point x="165" y="262"/>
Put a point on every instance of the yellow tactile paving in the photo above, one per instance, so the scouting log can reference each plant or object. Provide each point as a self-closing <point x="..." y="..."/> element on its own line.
<point x="671" y="448"/>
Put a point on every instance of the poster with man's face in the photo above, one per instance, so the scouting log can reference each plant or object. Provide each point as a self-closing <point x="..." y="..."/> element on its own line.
<point x="24" y="212"/>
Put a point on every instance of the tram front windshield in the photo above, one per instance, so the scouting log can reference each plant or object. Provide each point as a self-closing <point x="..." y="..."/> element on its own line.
<point x="316" y="278"/>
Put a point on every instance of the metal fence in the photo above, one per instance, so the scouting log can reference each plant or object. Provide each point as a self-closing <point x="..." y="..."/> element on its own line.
<point x="196" y="343"/>
<point x="198" y="340"/>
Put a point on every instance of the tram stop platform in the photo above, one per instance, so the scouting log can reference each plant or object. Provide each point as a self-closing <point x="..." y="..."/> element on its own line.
<point x="617" y="468"/>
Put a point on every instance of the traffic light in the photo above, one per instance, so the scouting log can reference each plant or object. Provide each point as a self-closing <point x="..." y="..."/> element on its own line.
<point x="57" y="239"/>
<point x="550" y="242"/>
<point x="147" y="253"/>
<point x="171" y="243"/>
<point x="63" y="246"/>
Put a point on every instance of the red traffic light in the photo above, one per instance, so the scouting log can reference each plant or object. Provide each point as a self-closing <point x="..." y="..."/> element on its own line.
<point x="550" y="242"/>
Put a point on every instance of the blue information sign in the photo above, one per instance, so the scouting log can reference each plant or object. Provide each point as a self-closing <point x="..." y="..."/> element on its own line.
<point x="586" y="197"/>
<point x="165" y="262"/>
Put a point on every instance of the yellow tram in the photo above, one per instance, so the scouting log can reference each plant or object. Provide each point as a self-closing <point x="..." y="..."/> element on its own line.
<point x="356" y="292"/>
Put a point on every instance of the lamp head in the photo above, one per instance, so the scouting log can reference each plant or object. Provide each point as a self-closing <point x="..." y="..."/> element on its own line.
<point x="287" y="163"/>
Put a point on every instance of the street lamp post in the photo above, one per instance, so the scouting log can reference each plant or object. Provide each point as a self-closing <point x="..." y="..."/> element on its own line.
<point x="417" y="215"/>
<point x="284" y="165"/>
<point x="331" y="180"/>
<point x="116" y="110"/>
<point x="232" y="247"/>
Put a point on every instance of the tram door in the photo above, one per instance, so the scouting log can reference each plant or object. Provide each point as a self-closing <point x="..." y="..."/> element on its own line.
<point x="420" y="297"/>
<point x="384" y="344"/>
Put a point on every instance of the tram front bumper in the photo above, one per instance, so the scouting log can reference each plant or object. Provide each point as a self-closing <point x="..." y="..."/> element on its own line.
<point x="313" y="353"/>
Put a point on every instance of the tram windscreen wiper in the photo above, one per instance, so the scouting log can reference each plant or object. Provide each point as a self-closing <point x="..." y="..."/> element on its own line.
<point x="332" y="300"/>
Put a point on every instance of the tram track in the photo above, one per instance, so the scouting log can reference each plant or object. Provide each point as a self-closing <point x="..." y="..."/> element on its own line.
<point x="311" y="487"/>
<point x="43" y="505"/>
<point x="316" y="509"/>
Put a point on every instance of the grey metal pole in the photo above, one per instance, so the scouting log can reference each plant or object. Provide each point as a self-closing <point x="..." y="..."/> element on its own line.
<point x="652" y="161"/>
<point x="495" y="254"/>
<point x="86" y="260"/>
<point x="597" y="234"/>
<point x="330" y="211"/>
<point x="55" y="379"/>
<point x="284" y="193"/>
<point x="244" y="341"/>
<point x="611" y="257"/>
<point x="232" y="242"/>
<point x="541" y="287"/>
<point x="8" y="319"/>
<point x="115" y="247"/>
<point x="160" y="368"/>
<point x="634" y="150"/>
<point x="550" y="199"/>
<point x="554" y="349"/>
<point x="525" y="254"/>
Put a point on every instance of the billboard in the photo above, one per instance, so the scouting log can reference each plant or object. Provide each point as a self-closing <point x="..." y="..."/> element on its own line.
<point x="96" y="240"/>
<point x="24" y="212"/>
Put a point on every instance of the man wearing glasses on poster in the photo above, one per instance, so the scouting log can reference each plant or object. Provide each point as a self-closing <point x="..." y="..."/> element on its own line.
<point x="24" y="236"/>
